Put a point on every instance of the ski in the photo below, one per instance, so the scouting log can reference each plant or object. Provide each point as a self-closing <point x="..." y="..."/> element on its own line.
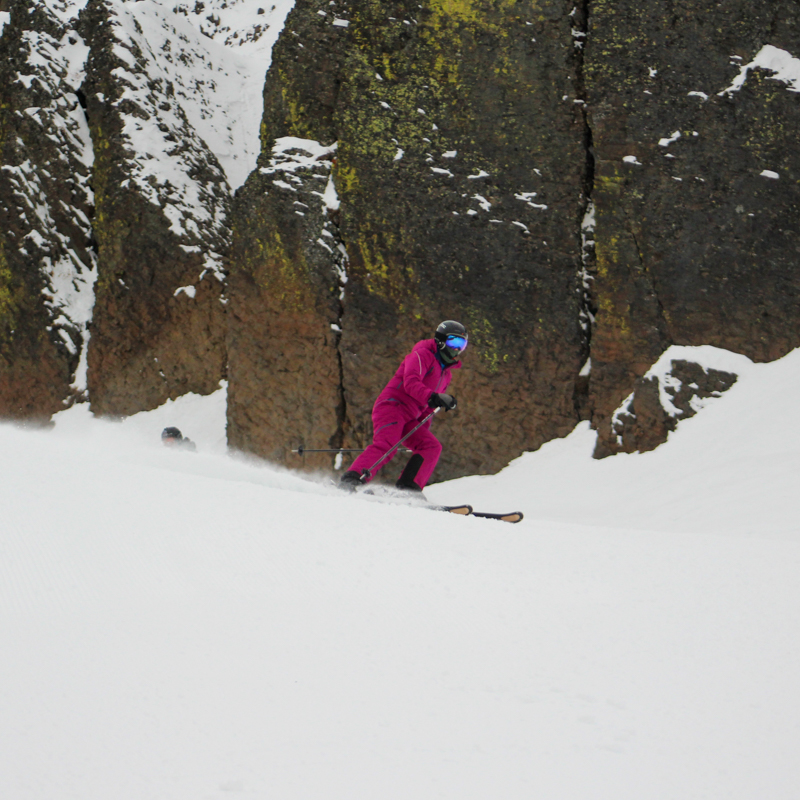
<point x="514" y="516"/>
<point x="467" y="511"/>
<point x="387" y="494"/>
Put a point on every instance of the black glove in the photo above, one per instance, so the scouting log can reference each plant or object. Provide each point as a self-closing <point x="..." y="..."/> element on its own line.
<point x="445" y="401"/>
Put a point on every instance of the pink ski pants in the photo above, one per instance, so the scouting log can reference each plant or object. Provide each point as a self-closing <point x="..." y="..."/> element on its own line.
<point x="390" y="422"/>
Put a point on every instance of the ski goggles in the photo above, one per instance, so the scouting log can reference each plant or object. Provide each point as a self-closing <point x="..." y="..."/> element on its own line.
<point x="456" y="342"/>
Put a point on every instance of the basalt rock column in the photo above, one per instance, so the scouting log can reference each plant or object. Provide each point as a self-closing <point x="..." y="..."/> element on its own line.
<point x="161" y="225"/>
<point x="461" y="171"/>
<point x="694" y="116"/>
<point x="286" y="287"/>
<point x="288" y="263"/>
<point x="46" y="256"/>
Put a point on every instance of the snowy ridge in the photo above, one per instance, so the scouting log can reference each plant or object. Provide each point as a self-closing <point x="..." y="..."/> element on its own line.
<point x="169" y="163"/>
<point x="190" y="82"/>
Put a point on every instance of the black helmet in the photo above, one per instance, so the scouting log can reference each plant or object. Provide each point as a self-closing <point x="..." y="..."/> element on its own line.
<point x="451" y="339"/>
<point x="171" y="433"/>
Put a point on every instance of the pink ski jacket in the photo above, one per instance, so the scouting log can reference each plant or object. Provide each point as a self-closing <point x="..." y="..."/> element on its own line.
<point x="421" y="373"/>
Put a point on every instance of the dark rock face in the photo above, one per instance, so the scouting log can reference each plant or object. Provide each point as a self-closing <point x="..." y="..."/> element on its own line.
<point x="159" y="328"/>
<point x="287" y="262"/>
<point x="642" y="422"/>
<point x="695" y="187"/>
<point x="114" y="214"/>
<point x="460" y="173"/>
<point x="284" y="369"/>
<point x="581" y="185"/>
<point x="46" y="258"/>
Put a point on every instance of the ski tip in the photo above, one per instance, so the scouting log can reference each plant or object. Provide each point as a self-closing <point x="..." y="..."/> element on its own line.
<point x="514" y="516"/>
<point x="465" y="510"/>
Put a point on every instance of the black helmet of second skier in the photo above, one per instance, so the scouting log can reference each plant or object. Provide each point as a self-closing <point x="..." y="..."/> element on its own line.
<point x="451" y="339"/>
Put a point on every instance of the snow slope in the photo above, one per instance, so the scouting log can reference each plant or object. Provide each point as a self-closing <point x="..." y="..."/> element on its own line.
<point x="181" y="625"/>
<point x="733" y="468"/>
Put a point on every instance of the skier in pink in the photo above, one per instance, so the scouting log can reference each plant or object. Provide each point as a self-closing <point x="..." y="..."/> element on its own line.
<point x="419" y="385"/>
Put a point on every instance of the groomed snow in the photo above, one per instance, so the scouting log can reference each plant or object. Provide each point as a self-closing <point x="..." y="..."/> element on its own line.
<point x="181" y="625"/>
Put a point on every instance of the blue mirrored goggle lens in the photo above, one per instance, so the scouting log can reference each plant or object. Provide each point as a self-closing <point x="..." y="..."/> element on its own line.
<point x="456" y="342"/>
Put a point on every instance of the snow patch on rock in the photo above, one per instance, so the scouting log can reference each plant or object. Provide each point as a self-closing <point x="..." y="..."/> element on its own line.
<point x="682" y="382"/>
<point x="784" y="65"/>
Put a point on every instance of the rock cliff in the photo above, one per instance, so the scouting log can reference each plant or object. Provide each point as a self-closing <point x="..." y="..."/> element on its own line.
<point x="694" y="111"/>
<point x="122" y="125"/>
<point x="161" y="224"/>
<point x="599" y="179"/>
<point x="460" y="177"/>
<point x="47" y="260"/>
<point x="583" y="183"/>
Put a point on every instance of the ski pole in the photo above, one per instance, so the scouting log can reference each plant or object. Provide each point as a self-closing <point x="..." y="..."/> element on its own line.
<point x="301" y="451"/>
<point x="367" y="473"/>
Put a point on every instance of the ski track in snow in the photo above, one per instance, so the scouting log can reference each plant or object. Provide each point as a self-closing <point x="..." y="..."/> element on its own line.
<point x="181" y="625"/>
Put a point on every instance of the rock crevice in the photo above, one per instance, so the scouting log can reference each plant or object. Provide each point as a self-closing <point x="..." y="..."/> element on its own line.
<point x="695" y="186"/>
<point x="586" y="222"/>
<point x="340" y="262"/>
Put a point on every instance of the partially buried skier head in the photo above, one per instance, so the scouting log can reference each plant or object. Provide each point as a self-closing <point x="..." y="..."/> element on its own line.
<point x="171" y="436"/>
